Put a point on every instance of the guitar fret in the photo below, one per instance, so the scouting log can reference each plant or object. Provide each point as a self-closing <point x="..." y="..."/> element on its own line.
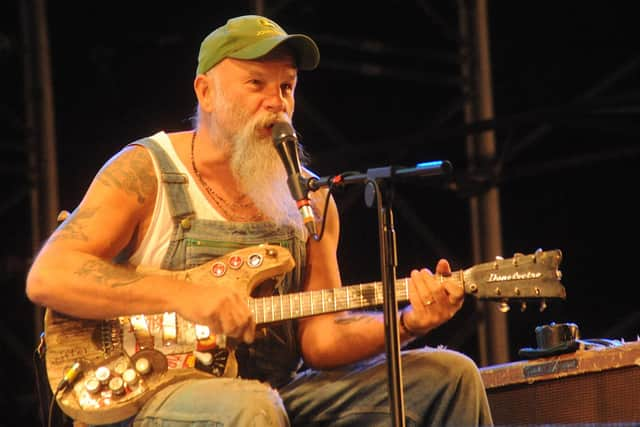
<point x="254" y="311"/>
<point x="281" y="313"/>
<point x="301" y="307"/>
<point x="264" y="311"/>
<point x="311" y="299"/>
<point x="322" y="299"/>
<point x="295" y="306"/>
<point x="272" y="310"/>
<point x="317" y="295"/>
<point x="347" y="292"/>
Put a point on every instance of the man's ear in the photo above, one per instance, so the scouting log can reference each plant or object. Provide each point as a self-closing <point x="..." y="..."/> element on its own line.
<point x="203" y="87"/>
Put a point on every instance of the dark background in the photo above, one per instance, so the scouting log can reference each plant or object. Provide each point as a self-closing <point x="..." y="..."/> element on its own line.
<point x="388" y="91"/>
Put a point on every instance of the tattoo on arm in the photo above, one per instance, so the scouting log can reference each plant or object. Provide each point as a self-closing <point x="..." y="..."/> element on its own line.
<point x="107" y="274"/>
<point x="353" y="318"/>
<point x="73" y="229"/>
<point x="131" y="175"/>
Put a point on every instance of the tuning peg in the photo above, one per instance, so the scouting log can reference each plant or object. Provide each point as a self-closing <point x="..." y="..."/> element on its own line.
<point x="516" y="258"/>
<point x="537" y="254"/>
<point x="504" y="307"/>
<point x="496" y="263"/>
<point x="543" y="306"/>
<point x="523" y="306"/>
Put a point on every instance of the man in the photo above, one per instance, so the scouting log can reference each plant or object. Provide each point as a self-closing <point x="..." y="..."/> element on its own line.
<point x="174" y="201"/>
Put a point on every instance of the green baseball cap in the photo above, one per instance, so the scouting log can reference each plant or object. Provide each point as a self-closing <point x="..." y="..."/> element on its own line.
<point x="251" y="37"/>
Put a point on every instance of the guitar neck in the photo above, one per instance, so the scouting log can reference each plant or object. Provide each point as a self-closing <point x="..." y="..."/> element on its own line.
<point x="304" y="304"/>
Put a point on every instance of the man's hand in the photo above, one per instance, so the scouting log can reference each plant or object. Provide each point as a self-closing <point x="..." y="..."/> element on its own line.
<point x="434" y="298"/>
<point x="223" y="310"/>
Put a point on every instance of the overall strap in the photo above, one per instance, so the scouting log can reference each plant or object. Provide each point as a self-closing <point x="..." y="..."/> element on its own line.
<point x="173" y="180"/>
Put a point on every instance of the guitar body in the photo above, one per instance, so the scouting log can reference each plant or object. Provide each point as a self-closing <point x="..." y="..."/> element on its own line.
<point x="72" y="340"/>
<point x="98" y="347"/>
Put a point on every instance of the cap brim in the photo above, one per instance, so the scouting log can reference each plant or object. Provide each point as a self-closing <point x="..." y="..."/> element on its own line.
<point x="305" y="49"/>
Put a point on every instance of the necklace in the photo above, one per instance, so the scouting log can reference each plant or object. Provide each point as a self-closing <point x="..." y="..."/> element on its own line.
<point x="228" y="209"/>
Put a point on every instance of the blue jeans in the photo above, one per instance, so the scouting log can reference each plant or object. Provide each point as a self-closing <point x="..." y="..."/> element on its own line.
<point x="441" y="388"/>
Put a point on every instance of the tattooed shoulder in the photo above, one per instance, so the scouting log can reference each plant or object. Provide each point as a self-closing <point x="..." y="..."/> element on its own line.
<point x="131" y="171"/>
<point x="74" y="226"/>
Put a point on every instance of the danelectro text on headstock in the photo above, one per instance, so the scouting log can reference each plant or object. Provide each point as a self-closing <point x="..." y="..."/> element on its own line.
<point x="522" y="277"/>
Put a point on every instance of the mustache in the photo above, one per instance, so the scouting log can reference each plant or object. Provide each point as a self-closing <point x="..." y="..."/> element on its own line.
<point x="267" y="120"/>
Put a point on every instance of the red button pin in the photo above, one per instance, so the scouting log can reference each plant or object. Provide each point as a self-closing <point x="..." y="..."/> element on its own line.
<point x="235" y="262"/>
<point x="218" y="269"/>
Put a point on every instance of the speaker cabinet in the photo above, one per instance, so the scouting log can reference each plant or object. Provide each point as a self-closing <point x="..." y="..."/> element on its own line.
<point x="595" y="385"/>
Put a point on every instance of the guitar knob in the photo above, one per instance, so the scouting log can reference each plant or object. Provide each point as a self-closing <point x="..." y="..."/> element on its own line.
<point x="120" y="367"/>
<point x="103" y="374"/>
<point x="116" y="385"/>
<point x="523" y="306"/>
<point x="92" y="385"/>
<point x="130" y="376"/>
<point x="143" y="366"/>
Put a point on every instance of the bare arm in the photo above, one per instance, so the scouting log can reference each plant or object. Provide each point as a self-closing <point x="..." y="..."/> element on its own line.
<point x="340" y="338"/>
<point x="74" y="273"/>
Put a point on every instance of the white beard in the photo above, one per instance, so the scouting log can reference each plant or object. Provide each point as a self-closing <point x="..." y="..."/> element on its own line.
<point x="260" y="173"/>
<point x="256" y="165"/>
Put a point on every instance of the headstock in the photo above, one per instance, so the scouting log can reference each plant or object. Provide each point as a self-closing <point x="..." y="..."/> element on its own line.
<point x="522" y="278"/>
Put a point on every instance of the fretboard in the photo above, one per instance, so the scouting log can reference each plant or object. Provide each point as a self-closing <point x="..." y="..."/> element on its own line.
<point x="304" y="304"/>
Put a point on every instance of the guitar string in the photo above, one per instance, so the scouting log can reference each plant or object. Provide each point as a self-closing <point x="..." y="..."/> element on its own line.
<point x="341" y="299"/>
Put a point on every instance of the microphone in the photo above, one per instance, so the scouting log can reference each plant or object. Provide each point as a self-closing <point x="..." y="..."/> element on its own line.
<point x="286" y="143"/>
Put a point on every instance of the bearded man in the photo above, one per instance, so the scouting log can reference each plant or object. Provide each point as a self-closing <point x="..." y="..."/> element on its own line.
<point x="174" y="201"/>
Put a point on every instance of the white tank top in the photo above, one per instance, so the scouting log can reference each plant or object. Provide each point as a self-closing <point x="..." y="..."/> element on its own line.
<point x="155" y="242"/>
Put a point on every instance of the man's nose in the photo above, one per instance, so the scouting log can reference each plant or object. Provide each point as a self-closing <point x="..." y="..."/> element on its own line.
<point x="276" y="101"/>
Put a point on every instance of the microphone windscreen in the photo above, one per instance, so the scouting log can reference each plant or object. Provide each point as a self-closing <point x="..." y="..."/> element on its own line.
<point x="282" y="131"/>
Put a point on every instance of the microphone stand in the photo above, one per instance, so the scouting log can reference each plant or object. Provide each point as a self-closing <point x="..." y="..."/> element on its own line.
<point x="378" y="187"/>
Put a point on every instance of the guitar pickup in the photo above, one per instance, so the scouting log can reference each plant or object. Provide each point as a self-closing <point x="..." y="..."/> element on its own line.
<point x="140" y="326"/>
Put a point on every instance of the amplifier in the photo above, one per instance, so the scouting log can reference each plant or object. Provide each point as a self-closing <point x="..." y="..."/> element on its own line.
<point x="595" y="385"/>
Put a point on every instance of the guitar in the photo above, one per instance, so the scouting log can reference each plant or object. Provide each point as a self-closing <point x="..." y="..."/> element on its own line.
<point x="103" y="371"/>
